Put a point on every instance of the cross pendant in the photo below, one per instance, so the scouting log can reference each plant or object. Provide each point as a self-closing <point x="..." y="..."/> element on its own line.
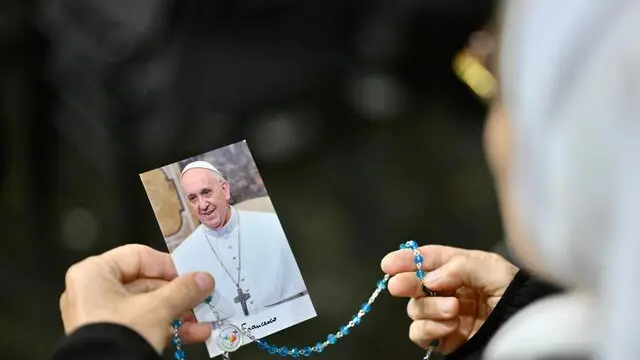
<point x="242" y="299"/>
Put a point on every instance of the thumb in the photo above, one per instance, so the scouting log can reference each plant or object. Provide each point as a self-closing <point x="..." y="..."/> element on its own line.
<point x="464" y="270"/>
<point x="182" y="294"/>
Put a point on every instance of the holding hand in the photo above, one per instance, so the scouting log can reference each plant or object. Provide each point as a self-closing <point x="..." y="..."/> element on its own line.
<point x="473" y="280"/>
<point x="135" y="286"/>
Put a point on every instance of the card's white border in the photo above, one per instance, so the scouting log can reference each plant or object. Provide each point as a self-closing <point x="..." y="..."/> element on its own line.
<point x="286" y="315"/>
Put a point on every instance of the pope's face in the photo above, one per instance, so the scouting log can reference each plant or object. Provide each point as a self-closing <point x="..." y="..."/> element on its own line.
<point x="208" y="195"/>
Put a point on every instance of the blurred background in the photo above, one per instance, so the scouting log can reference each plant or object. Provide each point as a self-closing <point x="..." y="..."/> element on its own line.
<point x="364" y="127"/>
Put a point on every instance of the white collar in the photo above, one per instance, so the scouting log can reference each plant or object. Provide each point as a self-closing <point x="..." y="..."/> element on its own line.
<point x="228" y="228"/>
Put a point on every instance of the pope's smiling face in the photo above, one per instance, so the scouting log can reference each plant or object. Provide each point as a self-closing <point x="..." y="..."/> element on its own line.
<point x="208" y="194"/>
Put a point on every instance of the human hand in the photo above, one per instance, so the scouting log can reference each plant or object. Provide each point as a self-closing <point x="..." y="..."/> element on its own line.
<point x="472" y="280"/>
<point x="138" y="287"/>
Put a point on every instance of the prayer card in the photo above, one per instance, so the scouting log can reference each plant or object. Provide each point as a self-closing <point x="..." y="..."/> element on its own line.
<point x="215" y="215"/>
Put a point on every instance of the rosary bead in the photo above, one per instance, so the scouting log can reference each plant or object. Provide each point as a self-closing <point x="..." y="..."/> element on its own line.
<point x="283" y="351"/>
<point x="319" y="347"/>
<point x="419" y="274"/>
<point x="307" y="351"/>
<point x="366" y="308"/>
<point x="332" y="339"/>
<point x="179" y="355"/>
<point x="418" y="259"/>
<point x="344" y="330"/>
<point x="294" y="353"/>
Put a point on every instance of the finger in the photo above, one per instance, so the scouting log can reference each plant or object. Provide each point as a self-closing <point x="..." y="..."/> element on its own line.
<point x="142" y="286"/>
<point x="475" y="272"/>
<point x="188" y="316"/>
<point x="423" y="332"/>
<point x="64" y="306"/>
<point x="433" y="256"/>
<point x="191" y="333"/>
<point x="131" y="262"/>
<point x="405" y="285"/>
<point x="433" y="308"/>
<point x="181" y="294"/>
<point x="63" y="301"/>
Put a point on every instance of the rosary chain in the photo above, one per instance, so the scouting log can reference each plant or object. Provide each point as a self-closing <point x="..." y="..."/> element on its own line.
<point x="239" y="252"/>
<point x="333" y="337"/>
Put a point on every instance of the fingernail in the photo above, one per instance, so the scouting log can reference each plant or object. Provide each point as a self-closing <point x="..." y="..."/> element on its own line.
<point x="383" y="263"/>
<point x="432" y="277"/>
<point x="204" y="281"/>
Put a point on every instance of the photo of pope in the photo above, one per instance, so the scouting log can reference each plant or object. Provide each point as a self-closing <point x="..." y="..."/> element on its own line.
<point x="247" y="252"/>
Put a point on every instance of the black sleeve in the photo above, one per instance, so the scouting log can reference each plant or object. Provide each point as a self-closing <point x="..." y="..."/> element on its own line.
<point x="104" y="342"/>
<point x="523" y="290"/>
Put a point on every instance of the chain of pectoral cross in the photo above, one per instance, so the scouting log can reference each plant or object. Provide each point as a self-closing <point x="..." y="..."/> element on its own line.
<point x="242" y="296"/>
<point x="230" y="336"/>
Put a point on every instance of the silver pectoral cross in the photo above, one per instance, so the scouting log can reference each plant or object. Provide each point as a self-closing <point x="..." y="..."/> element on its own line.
<point x="242" y="299"/>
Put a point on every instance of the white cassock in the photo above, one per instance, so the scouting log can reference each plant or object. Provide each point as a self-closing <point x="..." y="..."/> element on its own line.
<point x="251" y="250"/>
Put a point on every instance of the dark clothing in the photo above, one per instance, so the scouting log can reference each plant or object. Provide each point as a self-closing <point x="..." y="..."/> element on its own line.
<point x="104" y="342"/>
<point x="109" y="341"/>
<point x="522" y="291"/>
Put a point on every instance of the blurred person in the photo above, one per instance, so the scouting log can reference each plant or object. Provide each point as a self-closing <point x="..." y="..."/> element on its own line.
<point x="246" y="251"/>
<point x="562" y="151"/>
<point x="485" y="288"/>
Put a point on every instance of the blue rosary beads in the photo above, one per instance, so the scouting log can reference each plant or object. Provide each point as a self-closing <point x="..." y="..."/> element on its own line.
<point x="177" y="342"/>
<point x="319" y="347"/>
<point x="417" y="260"/>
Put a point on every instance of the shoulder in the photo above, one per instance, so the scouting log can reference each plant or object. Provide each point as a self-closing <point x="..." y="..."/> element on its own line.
<point x="264" y="225"/>
<point x="190" y="241"/>
<point x="265" y="218"/>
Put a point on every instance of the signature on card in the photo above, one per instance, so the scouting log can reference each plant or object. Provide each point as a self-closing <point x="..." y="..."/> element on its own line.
<point x="258" y="326"/>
